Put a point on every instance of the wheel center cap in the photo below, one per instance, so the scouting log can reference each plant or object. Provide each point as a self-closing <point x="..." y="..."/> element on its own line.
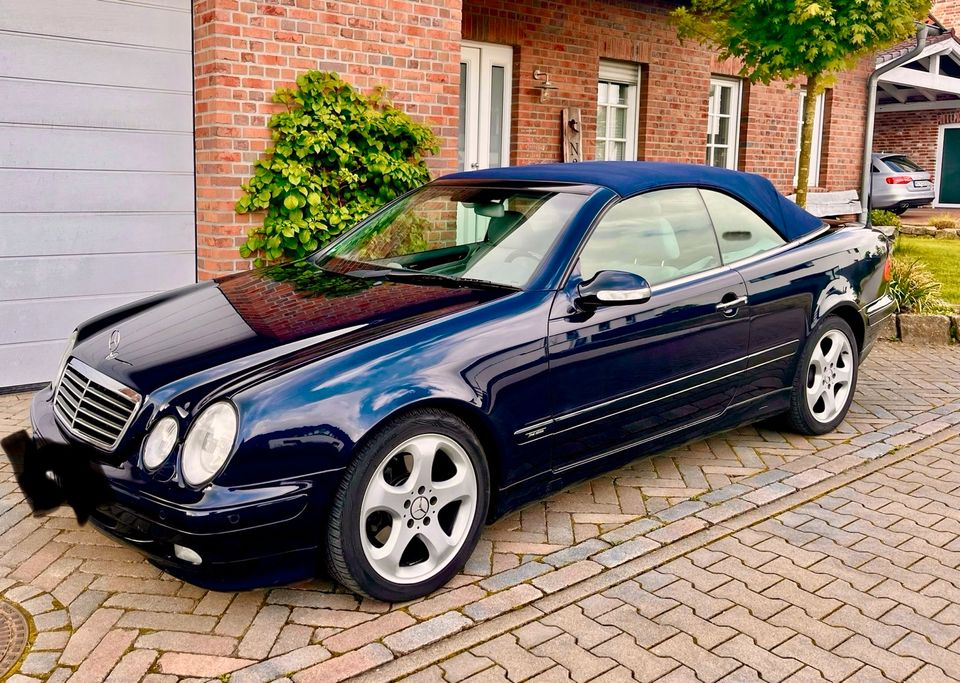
<point x="419" y="508"/>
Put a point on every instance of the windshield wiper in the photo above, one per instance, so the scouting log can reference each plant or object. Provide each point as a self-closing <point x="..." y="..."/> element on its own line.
<point x="395" y="275"/>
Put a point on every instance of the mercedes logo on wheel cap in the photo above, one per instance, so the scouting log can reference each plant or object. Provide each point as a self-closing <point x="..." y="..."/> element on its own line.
<point x="419" y="508"/>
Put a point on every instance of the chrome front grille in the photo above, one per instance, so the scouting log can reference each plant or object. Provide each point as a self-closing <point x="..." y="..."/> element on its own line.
<point x="93" y="407"/>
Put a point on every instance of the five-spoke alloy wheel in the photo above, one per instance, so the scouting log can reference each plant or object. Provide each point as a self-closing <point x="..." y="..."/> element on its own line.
<point x="826" y="378"/>
<point x="410" y="508"/>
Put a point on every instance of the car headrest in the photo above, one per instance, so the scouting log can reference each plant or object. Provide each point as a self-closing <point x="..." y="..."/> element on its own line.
<point x="500" y="227"/>
<point x="658" y="238"/>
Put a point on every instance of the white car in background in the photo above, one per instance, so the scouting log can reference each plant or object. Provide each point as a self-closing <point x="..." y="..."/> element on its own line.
<point x="899" y="183"/>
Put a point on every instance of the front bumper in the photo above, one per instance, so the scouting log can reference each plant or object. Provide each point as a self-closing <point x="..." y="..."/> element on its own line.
<point x="252" y="536"/>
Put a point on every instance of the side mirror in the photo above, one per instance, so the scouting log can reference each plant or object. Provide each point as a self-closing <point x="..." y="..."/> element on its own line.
<point x="612" y="288"/>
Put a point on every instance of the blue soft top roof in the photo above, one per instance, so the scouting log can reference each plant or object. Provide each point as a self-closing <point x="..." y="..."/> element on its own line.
<point x="631" y="177"/>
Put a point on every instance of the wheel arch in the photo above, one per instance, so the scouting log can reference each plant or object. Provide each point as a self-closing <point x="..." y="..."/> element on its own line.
<point x="850" y="314"/>
<point x="477" y="420"/>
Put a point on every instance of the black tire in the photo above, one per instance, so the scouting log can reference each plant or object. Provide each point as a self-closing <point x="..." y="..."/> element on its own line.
<point x="800" y="416"/>
<point x="900" y="209"/>
<point x="345" y="557"/>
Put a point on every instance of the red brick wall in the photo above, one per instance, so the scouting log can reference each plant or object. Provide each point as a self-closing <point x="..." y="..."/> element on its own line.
<point x="245" y="50"/>
<point x="947" y="12"/>
<point x="568" y="38"/>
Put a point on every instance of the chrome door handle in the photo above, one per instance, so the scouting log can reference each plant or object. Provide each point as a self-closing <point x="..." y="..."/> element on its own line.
<point x="733" y="303"/>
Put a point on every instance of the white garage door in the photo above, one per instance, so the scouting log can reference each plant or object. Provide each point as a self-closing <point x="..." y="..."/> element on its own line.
<point x="96" y="167"/>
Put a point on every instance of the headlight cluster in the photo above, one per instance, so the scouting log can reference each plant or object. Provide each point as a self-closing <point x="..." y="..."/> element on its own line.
<point x="206" y="448"/>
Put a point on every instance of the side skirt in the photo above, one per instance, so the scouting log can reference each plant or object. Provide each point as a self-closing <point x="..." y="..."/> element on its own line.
<point x="736" y="415"/>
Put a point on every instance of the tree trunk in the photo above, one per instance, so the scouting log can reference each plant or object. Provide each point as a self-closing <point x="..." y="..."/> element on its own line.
<point x="814" y="88"/>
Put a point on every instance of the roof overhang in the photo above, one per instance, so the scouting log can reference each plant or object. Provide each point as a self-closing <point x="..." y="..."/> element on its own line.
<point x="931" y="80"/>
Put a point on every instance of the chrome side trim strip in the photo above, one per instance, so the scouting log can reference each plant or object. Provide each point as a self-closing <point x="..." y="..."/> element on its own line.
<point x="597" y="406"/>
<point x="660" y="435"/>
<point x="675" y="393"/>
<point x="652" y="401"/>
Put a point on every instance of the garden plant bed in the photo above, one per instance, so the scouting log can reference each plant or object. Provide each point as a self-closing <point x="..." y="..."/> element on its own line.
<point x="942" y="257"/>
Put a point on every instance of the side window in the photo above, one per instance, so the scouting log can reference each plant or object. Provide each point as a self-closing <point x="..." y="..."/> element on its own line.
<point x="659" y="235"/>
<point x="740" y="231"/>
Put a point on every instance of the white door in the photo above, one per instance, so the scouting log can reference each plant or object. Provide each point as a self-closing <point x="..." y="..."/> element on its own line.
<point x="96" y="165"/>
<point x="484" y="132"/>
<point x="485" y="86"/>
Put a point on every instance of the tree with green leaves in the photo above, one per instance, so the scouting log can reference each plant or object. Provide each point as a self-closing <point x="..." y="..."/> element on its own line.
<point x="337" y="155"/>
<point x="787" y="40"/>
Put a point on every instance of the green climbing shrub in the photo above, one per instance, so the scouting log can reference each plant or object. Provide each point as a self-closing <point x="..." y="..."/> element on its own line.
<point x="337" y="155"/>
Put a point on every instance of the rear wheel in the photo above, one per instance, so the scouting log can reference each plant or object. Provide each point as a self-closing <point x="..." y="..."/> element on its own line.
<point x="900" y="209"/>
<point x="410" y="508"/>
<point x="826" y="378"/>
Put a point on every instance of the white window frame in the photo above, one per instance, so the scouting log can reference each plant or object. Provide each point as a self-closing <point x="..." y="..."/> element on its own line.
<point x="713" y="121"/>
<point x="619" y="73"/>
<point x="817" y="142"/>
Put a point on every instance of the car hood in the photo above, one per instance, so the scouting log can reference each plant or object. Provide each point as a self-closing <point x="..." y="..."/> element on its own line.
<point x="260" y="319"/>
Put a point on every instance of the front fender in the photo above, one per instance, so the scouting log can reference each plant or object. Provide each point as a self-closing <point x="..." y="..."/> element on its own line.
<point x="310" y="419"/>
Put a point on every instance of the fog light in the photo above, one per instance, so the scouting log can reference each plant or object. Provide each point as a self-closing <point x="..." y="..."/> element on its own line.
<point x="186" y="554"/>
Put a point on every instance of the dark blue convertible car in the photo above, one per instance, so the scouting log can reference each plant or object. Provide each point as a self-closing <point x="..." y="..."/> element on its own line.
<point x="475" y="344"/>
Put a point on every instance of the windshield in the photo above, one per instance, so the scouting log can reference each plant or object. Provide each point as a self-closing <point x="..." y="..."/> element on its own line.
<point x="498" y="235"/>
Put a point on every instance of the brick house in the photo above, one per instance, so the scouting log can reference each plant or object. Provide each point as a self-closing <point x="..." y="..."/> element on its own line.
<point x="128" y="126"/>
<point x="918" y="105"/>
<point x="666" y="94"/>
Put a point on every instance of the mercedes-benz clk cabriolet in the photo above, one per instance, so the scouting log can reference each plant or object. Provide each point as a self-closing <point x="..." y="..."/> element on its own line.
<point x="473" y="345"/>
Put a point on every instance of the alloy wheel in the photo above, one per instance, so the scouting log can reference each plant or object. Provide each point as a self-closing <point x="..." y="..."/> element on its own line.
<point x="829" y="376"/>
<point x="418" y="508"/>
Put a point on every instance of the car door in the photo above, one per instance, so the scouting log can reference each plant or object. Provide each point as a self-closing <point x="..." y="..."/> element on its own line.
<point x="625" y="374"/>
<point x="779" y="284"/>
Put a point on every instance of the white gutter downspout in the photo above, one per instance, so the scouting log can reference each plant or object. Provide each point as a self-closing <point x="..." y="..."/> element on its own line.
<point x="866" y="177"/>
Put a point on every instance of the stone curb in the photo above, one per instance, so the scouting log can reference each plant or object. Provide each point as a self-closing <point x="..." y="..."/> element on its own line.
<point x="472" y="636"/>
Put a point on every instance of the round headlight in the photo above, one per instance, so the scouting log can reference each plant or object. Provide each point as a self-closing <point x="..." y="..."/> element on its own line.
<point x="159" y="442"/>
<point x="209" y="443"/>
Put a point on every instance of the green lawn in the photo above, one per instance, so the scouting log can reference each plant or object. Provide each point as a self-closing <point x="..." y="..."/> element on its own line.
<point x="941" y="256"/>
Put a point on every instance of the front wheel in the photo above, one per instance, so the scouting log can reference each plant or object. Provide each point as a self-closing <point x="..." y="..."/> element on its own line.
<point x="826" y="378"/>
<point x="410" y="508"/>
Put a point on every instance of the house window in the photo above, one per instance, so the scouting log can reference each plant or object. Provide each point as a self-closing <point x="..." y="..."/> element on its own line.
<point x="723" y="122"/>
<point x="816" y="143"/>
<point x="617" y="110"/>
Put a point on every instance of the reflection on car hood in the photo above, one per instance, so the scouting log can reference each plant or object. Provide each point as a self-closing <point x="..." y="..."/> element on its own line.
<point x="263" y="316"/>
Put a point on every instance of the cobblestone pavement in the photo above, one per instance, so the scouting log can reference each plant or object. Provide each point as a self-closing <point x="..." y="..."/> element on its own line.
<point x="756" y="553"/>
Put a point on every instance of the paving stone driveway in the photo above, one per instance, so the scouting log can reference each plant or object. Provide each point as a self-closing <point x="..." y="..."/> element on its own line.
<point x="756" y="553"/>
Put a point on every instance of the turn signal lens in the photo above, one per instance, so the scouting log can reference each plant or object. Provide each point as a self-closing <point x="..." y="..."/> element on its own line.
<point x="888" y="269"/>
<point x="899" y="180"/>
<point x="159" y="443"/>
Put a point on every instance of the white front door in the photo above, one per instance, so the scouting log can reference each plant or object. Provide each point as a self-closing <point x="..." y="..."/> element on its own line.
<point x="485" y="87"/>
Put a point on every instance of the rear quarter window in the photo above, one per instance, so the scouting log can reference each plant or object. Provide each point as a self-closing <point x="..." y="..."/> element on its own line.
<point x="741" y="232"/>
